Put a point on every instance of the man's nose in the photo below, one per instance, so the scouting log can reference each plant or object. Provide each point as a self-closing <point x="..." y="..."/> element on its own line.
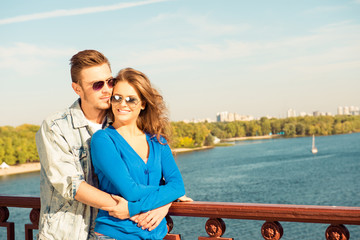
<point x="106" y="88"/>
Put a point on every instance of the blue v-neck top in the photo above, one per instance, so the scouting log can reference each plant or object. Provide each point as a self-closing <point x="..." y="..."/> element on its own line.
<point x="121" y="171"/>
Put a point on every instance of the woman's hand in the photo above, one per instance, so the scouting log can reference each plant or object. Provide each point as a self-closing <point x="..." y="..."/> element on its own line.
<point x="151" y="219"/>
<point x="120" y="210"/>
<point x="185" y="199"/>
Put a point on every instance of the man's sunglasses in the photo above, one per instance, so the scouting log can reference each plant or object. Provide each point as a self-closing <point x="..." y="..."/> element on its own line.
<point x="130" y="101"/>
<point x="100" y="84"/>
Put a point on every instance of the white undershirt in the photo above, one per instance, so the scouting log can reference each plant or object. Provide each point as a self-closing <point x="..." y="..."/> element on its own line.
<point x="95" y="126"/>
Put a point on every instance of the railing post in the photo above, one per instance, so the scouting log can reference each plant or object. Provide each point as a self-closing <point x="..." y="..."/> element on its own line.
<point x="34" y="218"/>
<point x="10" y="226"/>
<point x="215" y="228"/>
<point x="170" y="225"/>
<point x="337" y="232"/>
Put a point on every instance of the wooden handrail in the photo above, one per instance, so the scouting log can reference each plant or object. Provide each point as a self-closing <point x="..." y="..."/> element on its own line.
<point x="20" y="202"/>
<point x="272" y="214"/>
<point x="268" y="212"/>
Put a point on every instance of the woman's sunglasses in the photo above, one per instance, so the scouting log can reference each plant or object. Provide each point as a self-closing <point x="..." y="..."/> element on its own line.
<point x="130" y="101"/>
<point x="100" y="84"/>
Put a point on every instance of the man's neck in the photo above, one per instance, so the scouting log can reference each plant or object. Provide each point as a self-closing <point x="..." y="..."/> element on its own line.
<point x="94" y="115"/>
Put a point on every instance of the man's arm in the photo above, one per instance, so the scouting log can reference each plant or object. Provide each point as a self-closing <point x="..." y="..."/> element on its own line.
<point x="94" y="197"/>
<point x="64" y="173"/>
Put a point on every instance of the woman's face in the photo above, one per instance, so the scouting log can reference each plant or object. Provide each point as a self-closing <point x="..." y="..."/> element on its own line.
<point x="125" y="103"/>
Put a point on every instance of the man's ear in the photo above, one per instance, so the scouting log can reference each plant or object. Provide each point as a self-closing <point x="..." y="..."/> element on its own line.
<point x="76" y="87"/>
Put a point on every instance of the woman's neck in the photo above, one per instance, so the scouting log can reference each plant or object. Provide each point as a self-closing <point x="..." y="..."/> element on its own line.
<point x="129" y="130"/>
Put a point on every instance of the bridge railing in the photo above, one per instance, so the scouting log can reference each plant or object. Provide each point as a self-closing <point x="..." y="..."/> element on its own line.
<point x="272" y="214"/>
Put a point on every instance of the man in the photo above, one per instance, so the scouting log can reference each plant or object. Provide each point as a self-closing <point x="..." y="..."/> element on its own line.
<point x="69" y="197"/>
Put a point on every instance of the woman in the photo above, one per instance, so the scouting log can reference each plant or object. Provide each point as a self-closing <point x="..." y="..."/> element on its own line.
<point x="132" y="157"/>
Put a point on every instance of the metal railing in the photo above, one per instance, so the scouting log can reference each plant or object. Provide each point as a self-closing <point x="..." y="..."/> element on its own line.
<point x="272" y="214"/>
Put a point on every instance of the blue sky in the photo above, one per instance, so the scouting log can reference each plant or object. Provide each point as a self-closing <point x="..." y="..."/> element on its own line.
<point x="251" y="57"/>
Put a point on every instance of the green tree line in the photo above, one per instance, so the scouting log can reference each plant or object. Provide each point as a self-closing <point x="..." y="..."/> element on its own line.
<point x="17" y="144"/>
<point x="200" y="134"/>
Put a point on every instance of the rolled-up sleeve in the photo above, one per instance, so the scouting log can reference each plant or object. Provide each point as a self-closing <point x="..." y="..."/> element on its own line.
<point x="58" y="160"/>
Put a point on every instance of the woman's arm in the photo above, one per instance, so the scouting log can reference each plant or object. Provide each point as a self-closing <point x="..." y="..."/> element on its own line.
<point x="173" y="188"/>
<point x="142" y="198"/>
<point x="106" y="159"/>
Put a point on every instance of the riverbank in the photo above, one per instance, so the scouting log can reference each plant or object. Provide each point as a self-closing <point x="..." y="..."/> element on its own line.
<point x="183" y="150"/>
<point x="35" y="167"/>
<point x="251" y="138"/>
<point x="21" y="168"/>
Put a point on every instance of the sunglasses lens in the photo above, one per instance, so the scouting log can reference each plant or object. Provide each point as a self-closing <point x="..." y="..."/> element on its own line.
<point x="110" y="83"/>
<point x="98" y="85"/>
<point x="131" y="101"/>
<point x="116" y="99"/>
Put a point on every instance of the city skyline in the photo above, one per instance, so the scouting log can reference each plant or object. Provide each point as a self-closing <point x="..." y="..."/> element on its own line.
<point x="255" y="58"/>
<point x="226" y="116"/>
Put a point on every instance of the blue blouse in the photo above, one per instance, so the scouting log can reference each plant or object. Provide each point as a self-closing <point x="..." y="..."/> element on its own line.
<point x="121" y="171"/>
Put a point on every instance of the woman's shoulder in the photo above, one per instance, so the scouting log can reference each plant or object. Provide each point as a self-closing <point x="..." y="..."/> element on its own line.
<point x="103" y="133"/>
<point x="158" y="139"/>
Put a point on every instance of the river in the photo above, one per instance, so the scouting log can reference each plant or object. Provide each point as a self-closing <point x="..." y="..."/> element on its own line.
<point x="279" y="171"/>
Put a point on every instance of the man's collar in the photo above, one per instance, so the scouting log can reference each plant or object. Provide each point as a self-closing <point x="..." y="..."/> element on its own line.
<point x="77" y="114"/>
<point x="79" y="119"/>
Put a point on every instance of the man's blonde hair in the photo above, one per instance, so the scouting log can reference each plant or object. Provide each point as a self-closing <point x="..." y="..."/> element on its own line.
<point x="85" y="59"/>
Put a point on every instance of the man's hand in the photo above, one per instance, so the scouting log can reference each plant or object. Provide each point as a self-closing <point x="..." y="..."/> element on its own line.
<point x="185" y="199"/>
<point x="120" y="210"/>
<point x="151" y="219"/>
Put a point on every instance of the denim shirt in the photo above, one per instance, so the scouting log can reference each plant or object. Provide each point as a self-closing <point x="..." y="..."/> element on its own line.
<point x="63" y="143"/>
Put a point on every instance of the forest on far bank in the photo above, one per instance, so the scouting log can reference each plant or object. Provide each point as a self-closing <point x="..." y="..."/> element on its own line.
<point x="17" y="144"/>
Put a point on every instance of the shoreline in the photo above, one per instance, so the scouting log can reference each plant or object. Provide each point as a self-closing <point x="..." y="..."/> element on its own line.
<point x="251" y="138"/>
<point x="35" y="166"/>
<point x="21" y="168"/>
<point x="184" y="150"/>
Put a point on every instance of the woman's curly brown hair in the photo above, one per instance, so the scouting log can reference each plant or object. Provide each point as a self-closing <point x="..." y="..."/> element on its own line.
<point x="153" y="119"/>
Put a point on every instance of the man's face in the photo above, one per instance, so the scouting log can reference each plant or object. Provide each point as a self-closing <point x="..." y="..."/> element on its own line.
<point x="91" y="98"/>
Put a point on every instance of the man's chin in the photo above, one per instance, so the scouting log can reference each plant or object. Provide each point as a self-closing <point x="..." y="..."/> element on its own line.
<point x="104" y="106"/>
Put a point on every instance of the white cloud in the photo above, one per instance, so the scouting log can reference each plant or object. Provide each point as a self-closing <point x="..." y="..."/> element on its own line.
<point x="25" y="49"/>
<point x="28" y="59"/>
<point x="334" y="47"/>
<point x="202" y="24"/>
<point x="72" y="12"/>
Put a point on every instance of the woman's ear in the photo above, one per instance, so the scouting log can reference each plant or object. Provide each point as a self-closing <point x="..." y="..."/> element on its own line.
<point x="143" y="106"/>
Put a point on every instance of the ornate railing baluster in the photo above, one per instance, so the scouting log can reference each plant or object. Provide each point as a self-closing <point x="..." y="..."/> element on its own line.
<point x="337" y="232"/>
<point x="170" y="225"/>
<point x="272" y="230"/>
<point x="215" y="228"/>
<point x="10" y="226"/>
<point x="34" y="218"/>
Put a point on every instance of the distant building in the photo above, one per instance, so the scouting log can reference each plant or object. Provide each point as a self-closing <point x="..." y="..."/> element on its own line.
<point x="222" y="117"/>
<point x="209" y="120"/>
<point x="356" y="111"/>
<point x="340" y="110"/>
<point x="352" y="110"/>
<point x="291" y="113"/>
<point x="316" y="113"/>
<point x="230" y="117"/>
<point x="304" y="114"/>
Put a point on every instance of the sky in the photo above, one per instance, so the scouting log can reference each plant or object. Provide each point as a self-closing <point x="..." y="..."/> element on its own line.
<point x="256" y="58"/>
